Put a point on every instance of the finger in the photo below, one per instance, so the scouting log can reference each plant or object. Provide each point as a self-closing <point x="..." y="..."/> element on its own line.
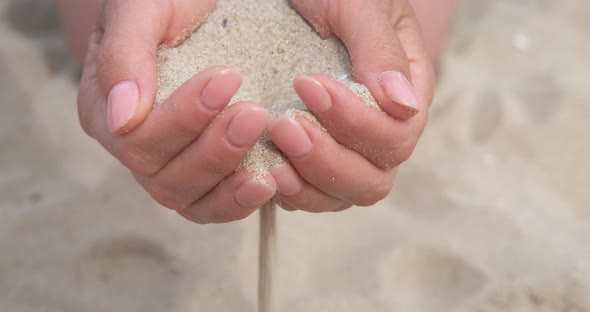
<point x="294" y="193"/>
<point x="382" y="140"/>
<point x="172" y="125"/>
<point x="234" y="199"/>
<point x="327" y="165"/>
<point x="211" y="158"/>
<point x="378" y="57"/>
<point x="127" y="71"/>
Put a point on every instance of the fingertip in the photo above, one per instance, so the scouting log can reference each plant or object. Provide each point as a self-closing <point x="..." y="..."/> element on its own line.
<point x="290" y="136"/>
<point x="287" y="180"/>
<point x="123" y="107"/>
<point x="254" y="192"/>
<point x="237" y="197"/>
<point x="220" y="89"/>
<point x="400" y="100"/>
<point x="247" y="126"/>
<point x="313" y="93"/>
<point x="129" y="93"/>
<point x="232" y="72"/>
<point x="247" y="108"/>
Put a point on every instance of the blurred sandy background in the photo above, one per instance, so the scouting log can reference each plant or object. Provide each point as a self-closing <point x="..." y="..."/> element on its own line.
<point x="491" y="213"/>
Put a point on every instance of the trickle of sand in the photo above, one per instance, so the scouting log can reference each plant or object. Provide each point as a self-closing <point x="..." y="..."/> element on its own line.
<point x="270" y="44"/>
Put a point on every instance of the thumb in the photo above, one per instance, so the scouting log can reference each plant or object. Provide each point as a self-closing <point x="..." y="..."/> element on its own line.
<point x="126" y="61"/>
<point x="378" y="57"/>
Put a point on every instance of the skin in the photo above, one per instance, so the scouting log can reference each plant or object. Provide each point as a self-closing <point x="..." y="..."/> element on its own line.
<point x="185" y="153"/>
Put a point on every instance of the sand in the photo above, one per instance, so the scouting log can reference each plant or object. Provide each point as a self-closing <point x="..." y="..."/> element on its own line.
<point x="490" y="214"/>
<point x="271" y="45"/>
<point x="267" y="258"/>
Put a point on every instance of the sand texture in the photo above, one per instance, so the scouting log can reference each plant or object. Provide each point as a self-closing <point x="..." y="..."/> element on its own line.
<point x="491" y="214"/>
<point x="270" y="44"/>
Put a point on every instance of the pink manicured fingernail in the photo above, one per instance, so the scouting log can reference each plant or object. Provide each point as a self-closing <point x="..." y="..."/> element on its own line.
<point x="287" y="180"/>
<point x="252" y="194"/>
<point x="247" y="126"/>
<point x="215" y="95"/>
<point x="313" y="94"/>
<point x="290" y="137"/>
<point x="122" y="104"/>
<point x="398" y="89"/>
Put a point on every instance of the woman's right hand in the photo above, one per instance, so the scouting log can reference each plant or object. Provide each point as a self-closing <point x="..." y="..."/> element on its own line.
<point x="183" y="152"/>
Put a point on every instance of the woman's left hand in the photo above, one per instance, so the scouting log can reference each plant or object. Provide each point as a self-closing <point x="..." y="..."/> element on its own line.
<point x="355" y="161"/>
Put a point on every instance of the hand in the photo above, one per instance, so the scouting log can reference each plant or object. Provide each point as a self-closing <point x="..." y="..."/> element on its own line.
<point x="182" y="152"/>
<point x="355" y="162"/>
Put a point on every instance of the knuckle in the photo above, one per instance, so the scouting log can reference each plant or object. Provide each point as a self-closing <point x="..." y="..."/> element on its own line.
<point x="379" y="191"/>
<point x="113" y="63"/>
<point x="165" y="196"/>
<point x="225" y="214"/>
<point x="192" y="218"/>
<point x="404" y="151"/>
<point x="189" y="123"/>
<point x="106" y="57"/>
<point x="300" y="201"/>
<point x="317" y="208"/>
<point x="136" y="159"/>
<point x="222" y="211"/>
<point x="399" y="153"/>
<point x="87" y="116"/>
<point x="366" y="201"/>
<point x="383" y="188"/>
<point x="218" y="165"/>
<point x="355" y="123"/>
<point x="283" y="203"/>
<point x="310" y="204"/>
<point x="85" y="120"/>
<point x="342" y="206"/>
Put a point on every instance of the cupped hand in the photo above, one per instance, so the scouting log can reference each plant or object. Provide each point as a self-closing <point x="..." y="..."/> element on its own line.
<point x="355" y="161"/>
<point x="183" y="152"/>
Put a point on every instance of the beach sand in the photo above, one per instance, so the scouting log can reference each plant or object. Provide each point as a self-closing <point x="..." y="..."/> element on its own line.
<point x="490" y="214"/>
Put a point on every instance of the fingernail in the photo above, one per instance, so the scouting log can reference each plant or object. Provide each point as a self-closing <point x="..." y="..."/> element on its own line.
<point x="215" y="96"/>
<point x="122" y="104"/>
<point x="398" y="89"/>
<point x="252" y="194"/>
<point x="313" y="93"/>
<point x="247" y="127"/>
<point x="290" y="137"/>
<point x="287" y="180"/>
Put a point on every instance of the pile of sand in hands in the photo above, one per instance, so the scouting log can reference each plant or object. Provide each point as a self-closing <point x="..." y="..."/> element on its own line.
<point x="270" y="44"/>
